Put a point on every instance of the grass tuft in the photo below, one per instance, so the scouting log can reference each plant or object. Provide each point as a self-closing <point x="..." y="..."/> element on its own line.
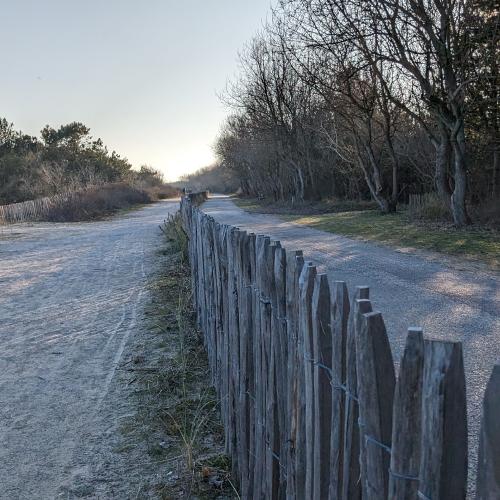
<point x="398" y="231"/>
<point x="179" y="409"/>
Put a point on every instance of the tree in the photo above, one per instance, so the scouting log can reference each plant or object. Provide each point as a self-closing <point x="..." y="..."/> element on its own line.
<point x="66" y="158"/>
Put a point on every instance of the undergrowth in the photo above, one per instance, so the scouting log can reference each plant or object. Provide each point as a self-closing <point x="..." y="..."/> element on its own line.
<point x="179" y="408"/>
<point x="473" y="244"/>
<point x="176" y="237"/>
<point x="93" y="203"/>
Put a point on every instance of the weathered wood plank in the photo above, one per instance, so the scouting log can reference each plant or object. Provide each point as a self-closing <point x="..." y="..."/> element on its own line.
<point x="339" y="317"/>
<point x="406" y="420"/>
<point x="218" y="308"/>
<point x="322" y="393"/>
<point x="233" y="339"/>
<point x="376" y="384"/>
<point x="488" y="469"/>
<point x="294" y="265"/>
<point x="270" y="349"/>
<point x="225" y="363"/>
<point x="252" y="342"/>
<point x="351" y="487"/>
<point x="443" y="464"/>
<point x="280" y="353"/>
<point x="243" y="322"/>
<point x="262" y="249"/>
<point x="305" y="428"/>
<point x="209" y="334"/>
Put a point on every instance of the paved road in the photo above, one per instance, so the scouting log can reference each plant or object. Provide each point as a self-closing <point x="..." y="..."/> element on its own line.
<point x="409" y="291"/>
<point x="71" y="295"/>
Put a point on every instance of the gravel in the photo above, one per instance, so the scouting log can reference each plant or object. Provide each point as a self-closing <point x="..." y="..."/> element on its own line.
<point x="72" y="296"/>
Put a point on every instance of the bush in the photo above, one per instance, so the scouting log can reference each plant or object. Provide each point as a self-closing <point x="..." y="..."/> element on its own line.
<point x="428" y="207"/>
<point x="95" y="202"/>
<point x="163" y="192"/>
<point x="487" y="214"/>
<point x="176" y="236"/>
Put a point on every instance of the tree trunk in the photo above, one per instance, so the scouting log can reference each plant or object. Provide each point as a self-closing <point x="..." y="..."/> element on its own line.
<point x="443" y="157"/>
<point x="458" y="207"/>
<point x="383" y="204"/>
<point x="375" y="184"/>
<point x="301" y="183"/>
<point x="496" y="172"/>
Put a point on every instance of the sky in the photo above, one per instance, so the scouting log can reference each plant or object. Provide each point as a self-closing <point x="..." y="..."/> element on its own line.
<point x="143" y="75"/>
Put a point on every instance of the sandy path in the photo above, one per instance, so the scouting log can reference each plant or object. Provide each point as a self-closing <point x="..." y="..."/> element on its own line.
<point x="409" y="290"/>
<point x="71" y="295"/>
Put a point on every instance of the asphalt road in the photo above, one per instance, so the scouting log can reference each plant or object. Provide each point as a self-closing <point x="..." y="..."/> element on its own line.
<point x="408" y="289"/>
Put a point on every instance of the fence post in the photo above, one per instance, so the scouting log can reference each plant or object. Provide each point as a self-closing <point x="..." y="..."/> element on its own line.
<point x="199" y="267"/>
<point x="233" y="339"/>
<point x="305" y="431"/>
<point x="251" y="343"/>
<point x="209" y="333"/>
<point x="406" y="419"/>
<point x="443" y="463"/>
<point x="262" y="249"/>
<point x="376" y="381"/>
<point x="488" y="467"/>
<point x="218" y="308"/>
<point x="294" y="265"/>
<point x="280" y="354"/>
<point x="241" y="259"/>
<point x="271" y="421"/>
<point x="339" y="317"/>
<point x="322" y="355"/>
<point x="351" y="487"/>
<point x="224" y="340"/>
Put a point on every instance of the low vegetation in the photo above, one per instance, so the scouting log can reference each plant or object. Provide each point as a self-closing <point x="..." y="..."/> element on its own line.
<point x="93" y="203"/>
<point x="179" y="414"/>
<point x="396" y="229"/>
<point x="69" y="159"/>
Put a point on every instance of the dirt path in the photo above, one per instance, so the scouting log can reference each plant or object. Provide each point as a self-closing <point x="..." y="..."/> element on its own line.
<point x="71" y="297"/>
<point x="72" y="300"/>
<point x="409" y="290"/>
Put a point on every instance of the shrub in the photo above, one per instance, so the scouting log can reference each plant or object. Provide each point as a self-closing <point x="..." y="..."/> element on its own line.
<point x="487" y="214"/>
<point x="163" y="191"/>
<point x="428" y="207"/>
<point x="177" y="238"/>
<point x="92" y="203"/>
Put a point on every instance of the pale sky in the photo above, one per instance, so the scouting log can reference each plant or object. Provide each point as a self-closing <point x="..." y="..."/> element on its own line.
<point x="143" y="75"/>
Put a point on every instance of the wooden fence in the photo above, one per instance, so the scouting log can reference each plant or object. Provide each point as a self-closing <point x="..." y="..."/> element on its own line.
<point x="33" y="210"/>
<point x="197" y="198"/>
<point x="304" y="373"/>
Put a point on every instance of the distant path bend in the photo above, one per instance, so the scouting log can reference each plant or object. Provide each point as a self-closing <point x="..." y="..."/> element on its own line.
<point x="408" y="289"/>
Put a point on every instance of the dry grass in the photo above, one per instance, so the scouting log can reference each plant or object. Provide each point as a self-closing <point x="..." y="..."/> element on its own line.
<point x="176" y="237"/>
<point x="162" y="192"/>
<point x="94" y="203"/>
<point x="302" y="208"/>
<point x="475" y="244"/>
<point x="179" y="410"/>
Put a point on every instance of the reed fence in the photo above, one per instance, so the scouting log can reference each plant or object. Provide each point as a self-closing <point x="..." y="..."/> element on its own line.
<point x="305" y="377"/>
<point x="38" y="209"/>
